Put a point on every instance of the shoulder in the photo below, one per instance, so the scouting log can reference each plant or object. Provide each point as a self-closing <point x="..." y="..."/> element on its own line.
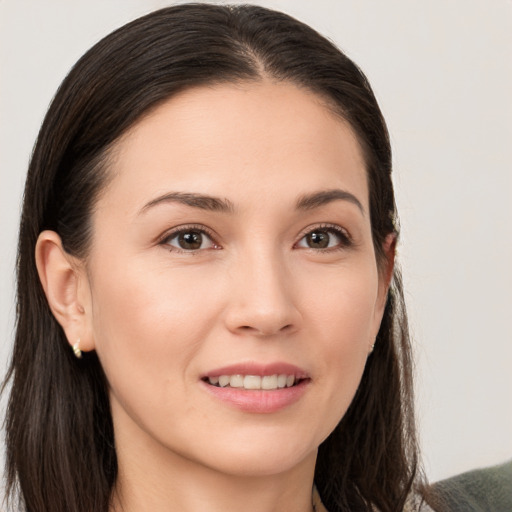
<point x="480" y="490"/>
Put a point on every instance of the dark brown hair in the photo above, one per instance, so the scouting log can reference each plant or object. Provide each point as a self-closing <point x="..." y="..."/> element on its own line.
<point x="60" y="440"/>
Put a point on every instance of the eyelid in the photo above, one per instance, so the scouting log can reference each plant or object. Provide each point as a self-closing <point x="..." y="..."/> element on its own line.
<point x="347" y="240"/>
<point x="183" y="228"/>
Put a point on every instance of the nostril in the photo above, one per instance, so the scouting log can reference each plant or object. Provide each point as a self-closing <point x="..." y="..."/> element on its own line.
<point x="266" y="330"/>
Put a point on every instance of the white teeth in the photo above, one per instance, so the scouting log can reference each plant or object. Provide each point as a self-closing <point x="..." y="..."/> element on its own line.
<point x="281" y="381"/>
<point x="236" y="381"/>
<point x="252" y="382"/>
<point x="223" y="381"/>
<point x="268" y="382"/>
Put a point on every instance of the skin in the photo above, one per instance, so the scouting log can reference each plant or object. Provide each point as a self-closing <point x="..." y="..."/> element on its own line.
<point x="161" y="317"/>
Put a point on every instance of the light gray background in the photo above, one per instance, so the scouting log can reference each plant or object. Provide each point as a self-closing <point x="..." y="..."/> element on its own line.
<point x="442" y="71"/>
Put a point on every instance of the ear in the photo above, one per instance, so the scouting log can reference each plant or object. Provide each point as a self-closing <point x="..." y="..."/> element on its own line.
<point x="389" y="250"/>
<point x="385" y="276"/>
<point x="65" y="284"/>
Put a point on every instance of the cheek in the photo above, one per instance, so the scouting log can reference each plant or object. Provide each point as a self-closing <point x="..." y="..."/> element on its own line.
<point x="344" y="316"/>
<point x="145" y="325"/>
<point x="147" y="336"/>
<point x="344" y="307"/>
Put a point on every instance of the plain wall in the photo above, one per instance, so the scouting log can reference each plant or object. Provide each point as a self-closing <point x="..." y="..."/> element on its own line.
<point x="442" y="71"/>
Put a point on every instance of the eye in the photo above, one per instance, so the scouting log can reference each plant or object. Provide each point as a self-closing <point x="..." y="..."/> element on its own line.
<point x="189" y="239"/>
<point x="325" y="237"/>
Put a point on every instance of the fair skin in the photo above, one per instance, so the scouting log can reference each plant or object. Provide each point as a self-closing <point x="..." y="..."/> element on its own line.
<point x="271" y="277"/>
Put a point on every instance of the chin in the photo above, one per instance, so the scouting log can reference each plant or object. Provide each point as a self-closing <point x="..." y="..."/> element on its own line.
<point x="262" y="465"/>
<point x="259" y="458"/>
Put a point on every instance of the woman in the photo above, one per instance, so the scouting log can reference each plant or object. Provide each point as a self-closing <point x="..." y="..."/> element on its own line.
<point x="209" y="313"/>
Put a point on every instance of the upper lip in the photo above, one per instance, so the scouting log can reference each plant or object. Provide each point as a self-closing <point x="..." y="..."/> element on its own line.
<point x="261" y="369"/>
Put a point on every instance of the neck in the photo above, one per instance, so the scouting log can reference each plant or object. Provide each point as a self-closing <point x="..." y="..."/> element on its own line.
<point x="166" y="482"/>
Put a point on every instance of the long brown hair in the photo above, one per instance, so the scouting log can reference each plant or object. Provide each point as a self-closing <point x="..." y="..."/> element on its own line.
<point x="60" y="439"/>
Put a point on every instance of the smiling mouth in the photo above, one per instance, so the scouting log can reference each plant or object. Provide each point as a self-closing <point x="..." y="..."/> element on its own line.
<point x="254" y="382"/>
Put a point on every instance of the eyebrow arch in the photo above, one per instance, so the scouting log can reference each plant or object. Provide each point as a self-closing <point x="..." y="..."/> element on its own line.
<point x="317" y="199"/>
<point x="201" y="201"/>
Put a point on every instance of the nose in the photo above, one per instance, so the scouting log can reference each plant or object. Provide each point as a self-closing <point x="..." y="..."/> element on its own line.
<point x="263" y="299"/>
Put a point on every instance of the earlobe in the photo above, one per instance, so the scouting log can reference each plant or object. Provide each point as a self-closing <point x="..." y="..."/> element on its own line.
<point x="62" y="279"/>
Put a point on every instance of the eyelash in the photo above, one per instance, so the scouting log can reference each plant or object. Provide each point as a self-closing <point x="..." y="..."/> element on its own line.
<point x="165" y="240"/>
<point x="345" y="241"/>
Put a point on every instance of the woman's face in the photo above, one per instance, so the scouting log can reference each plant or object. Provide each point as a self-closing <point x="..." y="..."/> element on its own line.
<point x="233" y="246"/>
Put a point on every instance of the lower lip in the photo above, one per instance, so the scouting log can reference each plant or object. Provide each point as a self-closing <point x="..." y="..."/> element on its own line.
<point x="258" y="401"/>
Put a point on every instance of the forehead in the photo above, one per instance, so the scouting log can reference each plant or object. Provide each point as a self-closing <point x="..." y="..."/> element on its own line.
<point x="255" y="139"/>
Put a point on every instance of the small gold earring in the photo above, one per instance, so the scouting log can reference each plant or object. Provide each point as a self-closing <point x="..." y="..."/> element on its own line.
<point x="76" y="349"/>
<point x="372" y="347"/>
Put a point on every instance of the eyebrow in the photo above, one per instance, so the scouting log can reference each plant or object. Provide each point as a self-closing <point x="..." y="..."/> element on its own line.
<point x="216" y="204"/>
<point x="317" y="199"/>
<point x="201" y="201"/>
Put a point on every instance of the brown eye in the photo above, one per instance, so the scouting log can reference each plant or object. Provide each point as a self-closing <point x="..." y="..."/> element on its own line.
<point x="324" y="238"/>
<point x="190" y="240"/>
<point x="318" y="239"/>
